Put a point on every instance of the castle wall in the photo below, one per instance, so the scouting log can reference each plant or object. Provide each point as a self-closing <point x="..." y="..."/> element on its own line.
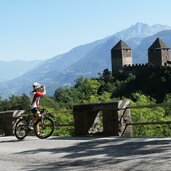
<point x="165" y="56"/>
<point x="116" y="59"/>
<point x="121" y="57"/>
<point x="158" y="57"/>
<point x="126" y="57"/>
<point x="154" y="57"/>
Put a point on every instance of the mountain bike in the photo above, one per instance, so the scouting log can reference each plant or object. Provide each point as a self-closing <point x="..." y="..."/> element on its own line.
<point x="45" y="123"/>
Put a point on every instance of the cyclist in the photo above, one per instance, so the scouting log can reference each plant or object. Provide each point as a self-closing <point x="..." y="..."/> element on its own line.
<point x="38" y="92"/>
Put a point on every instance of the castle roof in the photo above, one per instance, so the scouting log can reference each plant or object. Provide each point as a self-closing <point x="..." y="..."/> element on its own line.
<point x="158" y="44"/>
<point x="121" y="45"/>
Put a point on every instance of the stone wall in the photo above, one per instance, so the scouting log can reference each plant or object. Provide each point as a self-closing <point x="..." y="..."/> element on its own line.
<point x="114" y="116"/>
<point x="7" y="120"/>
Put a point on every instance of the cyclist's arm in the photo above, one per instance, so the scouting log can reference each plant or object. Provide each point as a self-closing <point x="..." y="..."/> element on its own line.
<point x="40" y="93"/>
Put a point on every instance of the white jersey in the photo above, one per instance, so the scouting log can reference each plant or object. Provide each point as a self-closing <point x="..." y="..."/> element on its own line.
<point x="35" y="98"/>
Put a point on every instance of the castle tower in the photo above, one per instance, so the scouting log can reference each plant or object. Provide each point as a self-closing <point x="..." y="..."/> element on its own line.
<point x="121" y="55"/>
<point x="158" y="54"/>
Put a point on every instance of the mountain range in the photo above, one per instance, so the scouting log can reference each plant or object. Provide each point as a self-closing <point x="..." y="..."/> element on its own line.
<point x="12" y="69"/>
<point x="86" y="60"/>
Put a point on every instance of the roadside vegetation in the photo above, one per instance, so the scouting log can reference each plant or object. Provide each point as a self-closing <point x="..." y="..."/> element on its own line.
<point x="143" y="88"/>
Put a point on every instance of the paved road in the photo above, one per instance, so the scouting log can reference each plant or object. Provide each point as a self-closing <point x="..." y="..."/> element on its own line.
<point x="85" y="153"/>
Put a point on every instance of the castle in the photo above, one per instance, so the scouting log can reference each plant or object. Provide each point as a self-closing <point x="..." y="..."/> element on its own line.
<point x="158" y="56"/>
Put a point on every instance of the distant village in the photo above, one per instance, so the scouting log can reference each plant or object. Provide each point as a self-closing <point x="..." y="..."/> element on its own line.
<point x="158" y="56"/>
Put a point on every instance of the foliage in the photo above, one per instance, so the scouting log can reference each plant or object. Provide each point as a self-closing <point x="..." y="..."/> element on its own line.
<point x="149" y="115"/>
<point x="84" y="91"/>
<point x="15" y="103"/>
<point x="64" y="119"/>
<point x="49" y="103"/>
<point x="66" y="97"/>
<point x="143" y="87"/>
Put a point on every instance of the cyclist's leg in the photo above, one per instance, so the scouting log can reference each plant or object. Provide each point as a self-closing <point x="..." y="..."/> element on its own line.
<point x="37" y="115"/>
<point x="46" y="128"/>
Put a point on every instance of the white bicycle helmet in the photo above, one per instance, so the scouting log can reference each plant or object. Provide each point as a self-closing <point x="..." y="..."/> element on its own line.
<point x="36" y="85"/>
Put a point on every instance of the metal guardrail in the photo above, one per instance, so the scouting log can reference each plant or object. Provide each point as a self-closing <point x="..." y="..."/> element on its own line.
<point x="61" y="124"/>
<point x="145" y="123"/>
<point x="147" y="106"/>
<point x="124" y="111"/>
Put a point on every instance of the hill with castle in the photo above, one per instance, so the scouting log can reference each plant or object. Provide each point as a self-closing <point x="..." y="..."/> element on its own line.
<point x="152" y="78"/>
<point x="158" y="56"/>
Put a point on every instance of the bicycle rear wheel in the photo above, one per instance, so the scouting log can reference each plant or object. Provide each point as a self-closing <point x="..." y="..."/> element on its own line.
<point x="21" y="129"/>
<point x="46" y="128"/>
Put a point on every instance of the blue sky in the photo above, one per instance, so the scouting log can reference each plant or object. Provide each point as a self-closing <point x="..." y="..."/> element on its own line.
<point x="41" y="29"/>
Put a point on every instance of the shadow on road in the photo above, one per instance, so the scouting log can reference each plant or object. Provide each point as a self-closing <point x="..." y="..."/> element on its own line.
<point x="8" y="141"/>
<point x="101" y="152"/>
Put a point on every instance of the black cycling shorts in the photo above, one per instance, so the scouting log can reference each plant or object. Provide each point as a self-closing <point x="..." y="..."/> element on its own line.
<point x="35" y="110"/>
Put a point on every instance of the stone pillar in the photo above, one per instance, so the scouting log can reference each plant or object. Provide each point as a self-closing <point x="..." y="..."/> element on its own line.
<point x="124" y="116"/>
<point x="83" y="121"/>
<point x="8" y="125"/>
<point x="113" y="118"/>
<point x="7" y="119"/>
<point x="127" y="119"/>
<point x="110" y="122"/>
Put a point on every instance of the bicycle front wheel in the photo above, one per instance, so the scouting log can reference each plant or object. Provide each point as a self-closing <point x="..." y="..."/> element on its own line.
<point x="45" y="128"/>
<point x="21" y="129"/>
